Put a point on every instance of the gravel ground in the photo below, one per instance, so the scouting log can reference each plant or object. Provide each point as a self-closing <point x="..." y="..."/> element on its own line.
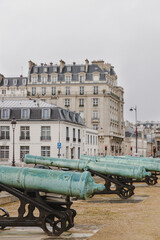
<point x="136" y="218"/>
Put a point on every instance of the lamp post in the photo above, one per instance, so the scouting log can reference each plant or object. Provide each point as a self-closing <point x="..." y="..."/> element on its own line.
<point x="13" y="122"/>
<point x="135" y="109"/>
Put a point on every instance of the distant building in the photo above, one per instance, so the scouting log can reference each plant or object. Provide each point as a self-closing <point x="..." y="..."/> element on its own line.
<point x="91" y="90"/>
<point x="40" y="127"/>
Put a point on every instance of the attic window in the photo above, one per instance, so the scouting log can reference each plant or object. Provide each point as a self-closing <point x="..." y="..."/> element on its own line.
<point x="46" y="113"/>
<point x="24" y="81"/>
<point x="5" y="82"/>
<point x="14" y="81"/>
<point x="82" y="68"/>
<point x="68" y="69"/>
<point x="25" y="113"/>
<point x="54" y="69"/>
<point x="45" y="69"/>
<point x="36" y="70"/>
<point x="5" y="113"/>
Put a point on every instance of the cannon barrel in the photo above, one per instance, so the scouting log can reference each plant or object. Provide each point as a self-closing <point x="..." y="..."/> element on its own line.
<point x="69" y="183"/>
<point x="148" y="165"/>
<point x="100" y="167"/>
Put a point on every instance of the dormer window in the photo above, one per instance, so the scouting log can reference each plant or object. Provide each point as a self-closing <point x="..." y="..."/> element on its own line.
<point x="34" y="79"/>
<point x="25" y="113"/>
<point x="24" y="81"/>
<point x="14" y="82"/>
<point x="68" y="79"/>
<point x="69" y="69"/>
<point x="96" y="78"/>
<point x="45" y="69"/>
<point x="5" y="113"/>
<point x="54" y="79"/>
<point x="44" y="80"/>
<point x="54" y="69"/>
<point x="81" y="79"/>
<point x="35" y="70"/>
<point x="46" y="113"/>
<point x="5" y="82"/>
<point x="82" y="69"/>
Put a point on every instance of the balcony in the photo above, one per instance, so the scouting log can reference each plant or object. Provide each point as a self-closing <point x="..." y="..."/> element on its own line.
<point x="67" y="138"/>
<point x="95" y="119"/>
<point x="81" y="105"/>
<point x="74" y="139"/>
<point x="45" y="138"/>
<point x="24" y="138"/>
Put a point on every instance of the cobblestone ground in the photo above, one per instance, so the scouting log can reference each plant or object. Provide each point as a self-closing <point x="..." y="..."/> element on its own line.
<point x="137" y="218"/>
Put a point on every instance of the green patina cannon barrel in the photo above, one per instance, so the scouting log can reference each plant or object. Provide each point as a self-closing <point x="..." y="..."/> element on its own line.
<point x="67" y="183"/>
<point x="149" y="159"/>
<point x="106" y="168"/>
<point x="148" y="165"/>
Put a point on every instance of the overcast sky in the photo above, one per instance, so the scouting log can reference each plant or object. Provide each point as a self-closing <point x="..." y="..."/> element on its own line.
<point x="125" y="33"/>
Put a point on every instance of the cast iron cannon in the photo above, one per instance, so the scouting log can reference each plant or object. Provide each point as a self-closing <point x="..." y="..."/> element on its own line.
<point x="118" y="174"/>
<point x="35" y="187"/>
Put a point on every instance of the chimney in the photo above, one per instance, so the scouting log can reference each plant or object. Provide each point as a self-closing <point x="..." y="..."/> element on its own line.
<point x="41" y="64"/>
<point x="1" y="77"/>
<point x="87" y="62"/>
<point x="51" y="63"/>
<point x="74" y="63"/>
<point x="31" y="64"/>
<point x="62" y="63"/>
<point x="100" y="64"/>
<point x="21" y="75"/>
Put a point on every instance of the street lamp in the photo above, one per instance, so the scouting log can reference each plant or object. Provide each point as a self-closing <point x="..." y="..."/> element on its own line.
<point x="135" y="109"/>
<point x="13" y="122"/>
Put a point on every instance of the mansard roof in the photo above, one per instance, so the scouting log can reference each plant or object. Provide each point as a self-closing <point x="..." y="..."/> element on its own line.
<point x="36" y="108"/>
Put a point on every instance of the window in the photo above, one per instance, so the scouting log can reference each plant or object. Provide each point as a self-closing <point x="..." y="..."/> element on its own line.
<point x="23" y="151"/>
<point x="95" y="90"/>
<point x="95" y="126"/>
<point x="5" y="113"/>
<point x="81" y="79"/>
<point x="25" y="113"/>
<point x="95" y="78"/>
<point x="79" y="135"/>
<point x="90" y="139"/>
<point x="67" y="102"/>
<point x="69" y="69"/>
<point x="34" y="79"/>
<point x="45" y="151"/>
<point x="12" y="91"/>
<point x="53" y="90"/>
<point x="33" y="91"/>
<point x="35" y="70"/>
<point x="79" y="153"/>
<point x="3" y="91"/>
<point x="67" y="133"/>
<point x="4" y="152"/>
<point x="54" y="69"/>
<point x="15" y="82"/>
<point x="95" y="101"/>
<point x="46" y="133"/>
<point x="81" y="90"/>
<point x="81" y="114"/>
<point x="25" y="133"/>
<point x="5" y="82"/>
<point x="22" y="92"/>
<point x="45" y="69"/>
<point x="82" y="68"/>
<point x="95" y="114"/>
<point x="67" y="90"/>
<point x="45" y="113"/>
<point x="81" y="102"/>
<point x="43" y="91"/>
<point x="24" y="81"/>
<point x="4" y="132"/>
<point x="68" y="79"/>
<point x="54" y="79"/>
<point x="44" y="80"/>
<point x="74" y="134"/>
